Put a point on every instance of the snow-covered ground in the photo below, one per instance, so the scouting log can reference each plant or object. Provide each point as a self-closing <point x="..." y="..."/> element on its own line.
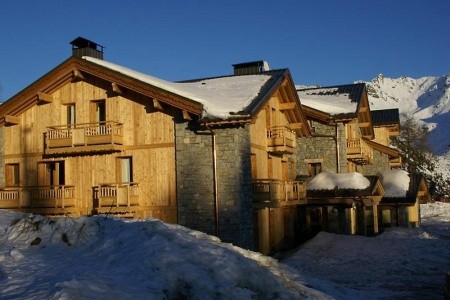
<point x="108" y="258"/>
<point x="401" y="263"/>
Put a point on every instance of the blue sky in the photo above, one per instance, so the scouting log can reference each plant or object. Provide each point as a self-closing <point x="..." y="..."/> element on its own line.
<point x="321" y="42"/>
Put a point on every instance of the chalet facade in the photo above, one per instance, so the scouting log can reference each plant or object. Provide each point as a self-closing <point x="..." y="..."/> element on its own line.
<point x="348" y="137"/>
<point x="230" y="156"/>
<point x="94" y="137"/>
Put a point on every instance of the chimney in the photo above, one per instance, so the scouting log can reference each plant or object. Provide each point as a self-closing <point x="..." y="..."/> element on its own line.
<point x="253" y="67"/>
<point x="83" y="47"/>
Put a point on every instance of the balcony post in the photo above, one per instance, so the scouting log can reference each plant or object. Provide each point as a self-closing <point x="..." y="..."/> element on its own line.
<point x="117" y="195"/>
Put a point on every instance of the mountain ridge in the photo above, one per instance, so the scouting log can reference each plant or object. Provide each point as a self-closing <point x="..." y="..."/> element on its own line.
<point x="427" y="99"/>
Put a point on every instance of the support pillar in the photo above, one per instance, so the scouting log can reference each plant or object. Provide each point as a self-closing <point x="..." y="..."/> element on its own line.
<point x="375" y="219"/>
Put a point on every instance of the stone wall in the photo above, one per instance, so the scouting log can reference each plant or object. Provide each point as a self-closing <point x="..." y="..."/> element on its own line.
<point x="194" y="172"/>
<point x="322" y="147"/>
<point x="195" y="186"/>
<point x="379" y="163"/>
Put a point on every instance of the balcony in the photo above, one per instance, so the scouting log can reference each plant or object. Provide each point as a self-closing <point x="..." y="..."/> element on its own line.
<point x="55" y="196"/>
<point x="277" y="193"/>
<point x="359" y="152"/>
<point x="281" y="140"/>
<point x="121" y="196"/>
<point x="88" y="137"/>
<point x="395" y="162"/>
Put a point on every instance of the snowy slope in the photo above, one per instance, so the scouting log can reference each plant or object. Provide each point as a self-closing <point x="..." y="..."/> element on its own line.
<point x="107" y="258"/>
<point x="426" y="98"/>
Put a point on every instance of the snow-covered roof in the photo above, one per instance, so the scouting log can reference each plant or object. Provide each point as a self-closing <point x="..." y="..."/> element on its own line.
<point x="334" y="100"/>
<point x="221" y="97"/>
<point x="395" y="182"/>
<point x="332" y="180"/>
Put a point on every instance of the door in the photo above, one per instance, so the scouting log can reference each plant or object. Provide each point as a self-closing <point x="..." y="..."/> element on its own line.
<point x="124" y="178"/>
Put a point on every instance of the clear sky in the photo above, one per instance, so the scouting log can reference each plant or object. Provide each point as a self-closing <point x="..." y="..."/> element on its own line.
<point x="322" y="42"/>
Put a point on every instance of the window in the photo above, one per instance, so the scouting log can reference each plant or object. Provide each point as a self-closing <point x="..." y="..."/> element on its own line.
<point x="125" y="170"/>
<point x="71" y="114"/>
<point x="98" y="111"/>
<point x="51" y="173"/>
<point x="314" y="168"/>
<point x="12" y="175"/>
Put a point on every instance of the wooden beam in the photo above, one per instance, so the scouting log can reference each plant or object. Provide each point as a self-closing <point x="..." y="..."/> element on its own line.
<point x="294" y="126"/>
<point x="77" y="75"/>
<point x="44" y="98"/>
<point x="157" y="105"/>
<point x="186" y="115"/>
<point x="363" y="109"/>
<point x="11" y="120"/>
<point x="116" y="88"/>
<point x="287" y="106"/>
<point x="364" y="124"/>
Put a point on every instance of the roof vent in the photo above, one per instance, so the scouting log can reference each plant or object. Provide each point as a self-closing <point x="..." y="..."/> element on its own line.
<point x="253" y="67"/>
<point x="83" y="47"/>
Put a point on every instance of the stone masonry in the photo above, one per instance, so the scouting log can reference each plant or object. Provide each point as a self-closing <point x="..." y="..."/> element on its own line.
<point x="380" y="162"/>
<point x="322" y="147"/>
<point x="195" y="186"/>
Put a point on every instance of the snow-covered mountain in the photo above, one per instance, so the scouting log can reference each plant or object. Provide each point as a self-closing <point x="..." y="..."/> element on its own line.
<point x="427" y="99"/>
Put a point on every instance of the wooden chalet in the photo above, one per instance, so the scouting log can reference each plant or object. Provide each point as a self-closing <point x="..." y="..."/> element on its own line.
<point x="386" y="124"/>
<point x="342" y="113"/>
<point x="348" y="137"/>
<point x="82" y="139"/>
<point x="226" y="155"/>
<point x="271" y="123"/>
<point x="213" y="154"/>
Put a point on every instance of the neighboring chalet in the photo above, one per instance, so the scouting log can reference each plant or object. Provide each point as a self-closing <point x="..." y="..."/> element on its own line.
<point x="347" y="137"/>
<point x="92" y="137"/>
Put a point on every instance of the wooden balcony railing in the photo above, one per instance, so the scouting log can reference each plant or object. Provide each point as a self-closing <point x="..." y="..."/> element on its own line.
<point x="101" y="136"/>
<point x="281" y="139"/>
<point x="54" y="196"/>
<point x="276" y="193"/>
<point x="359" y="151"/>
<point x="116" y="194"/>
<point x="395" y="162"/>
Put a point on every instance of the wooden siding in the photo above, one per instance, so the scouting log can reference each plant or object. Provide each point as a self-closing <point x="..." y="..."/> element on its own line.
<point x="267" y="165"/>
<point x="148" y="139"/>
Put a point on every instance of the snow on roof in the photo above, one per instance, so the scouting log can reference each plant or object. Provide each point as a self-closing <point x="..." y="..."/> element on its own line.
<point x="328" y="100"/>
<point x="221" y="97"/>
<point x="332" y="180"/>
<point x="395" y="182"/>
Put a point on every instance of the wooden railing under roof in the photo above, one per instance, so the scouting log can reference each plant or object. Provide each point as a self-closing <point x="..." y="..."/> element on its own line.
<point x="359" y="151"/>
<point x="277" y="193"/>
<point x="116" y="194"/>
<point x="52" y="196"/>
<point x="281" y="139"/>
<point x="67" y="138"/>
